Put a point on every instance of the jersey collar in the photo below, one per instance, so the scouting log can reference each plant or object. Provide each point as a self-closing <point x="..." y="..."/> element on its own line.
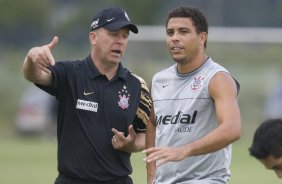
<point x="93" y="72"/>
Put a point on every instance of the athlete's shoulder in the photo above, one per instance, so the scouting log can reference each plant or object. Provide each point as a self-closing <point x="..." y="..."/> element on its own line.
<point x="220" y="71"/>
<point x="166" y="71"/>
<point x="165" y="74"/>
<point x="216" y="66"/>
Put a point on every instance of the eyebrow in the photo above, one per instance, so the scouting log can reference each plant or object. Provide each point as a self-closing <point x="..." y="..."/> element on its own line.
<point x="169" y="28"/>
<point x="178" y="29"/>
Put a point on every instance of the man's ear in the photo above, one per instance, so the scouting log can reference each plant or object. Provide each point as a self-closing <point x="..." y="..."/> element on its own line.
<point x="203" y="37"/>
<point x="92" y="37"/>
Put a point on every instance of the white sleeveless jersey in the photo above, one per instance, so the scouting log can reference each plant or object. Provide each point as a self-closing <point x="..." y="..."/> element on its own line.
<point x="185" y="112"/>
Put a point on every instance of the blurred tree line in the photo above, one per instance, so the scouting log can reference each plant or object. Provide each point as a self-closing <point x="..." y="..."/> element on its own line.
<point x="25" y="21"/>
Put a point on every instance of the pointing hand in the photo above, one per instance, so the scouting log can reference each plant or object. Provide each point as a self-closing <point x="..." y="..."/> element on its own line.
<point x="42" y="56"/>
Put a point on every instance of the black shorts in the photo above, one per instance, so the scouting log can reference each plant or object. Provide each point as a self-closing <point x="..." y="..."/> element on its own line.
<point x="65" y="180"/>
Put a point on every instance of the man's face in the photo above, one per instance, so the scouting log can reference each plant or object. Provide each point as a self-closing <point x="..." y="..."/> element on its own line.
<point x="273" y="163"/>
<point x="110" y="46"/>
<point x="183" y="42"/>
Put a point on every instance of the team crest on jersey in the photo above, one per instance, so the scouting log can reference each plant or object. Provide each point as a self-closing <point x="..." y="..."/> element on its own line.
<point x="197" y="82"/>
<point x="123" y="98"/>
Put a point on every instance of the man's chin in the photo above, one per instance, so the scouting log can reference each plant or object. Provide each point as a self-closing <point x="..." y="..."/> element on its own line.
<point x="115" y="60"/>
<point x="178" y="60"/>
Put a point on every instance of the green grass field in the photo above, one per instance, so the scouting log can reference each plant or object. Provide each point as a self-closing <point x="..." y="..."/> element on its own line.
<point x="33" y="160"/>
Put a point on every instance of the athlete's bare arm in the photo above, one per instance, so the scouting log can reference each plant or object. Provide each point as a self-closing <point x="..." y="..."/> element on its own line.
<point x="150" y="143"/>
<point x="37" y="60"/>
<point x="224" y="92"/>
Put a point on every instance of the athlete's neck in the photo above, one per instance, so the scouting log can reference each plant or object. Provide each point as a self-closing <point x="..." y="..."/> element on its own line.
<point x="192" y="65"/>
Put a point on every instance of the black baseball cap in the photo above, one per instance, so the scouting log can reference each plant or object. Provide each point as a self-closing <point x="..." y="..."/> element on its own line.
<point x="112" y="19"/>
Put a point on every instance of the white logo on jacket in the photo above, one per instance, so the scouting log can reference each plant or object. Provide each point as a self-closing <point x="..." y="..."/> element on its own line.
<point x="87" y="105"/>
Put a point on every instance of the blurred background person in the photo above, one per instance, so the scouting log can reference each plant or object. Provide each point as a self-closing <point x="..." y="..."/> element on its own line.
<point x="267" y="145"/>
<point x="37" y="113"/>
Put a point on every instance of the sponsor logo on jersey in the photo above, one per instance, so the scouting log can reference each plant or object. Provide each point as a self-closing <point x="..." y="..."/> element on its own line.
<point x="87" y="105"/>
<point x="180" y="117"/>
<point x="183" y="129"/>
<point x="197" y="83"/>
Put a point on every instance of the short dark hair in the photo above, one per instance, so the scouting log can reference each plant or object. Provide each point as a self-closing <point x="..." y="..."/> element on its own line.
<point x="267" y="140"/>
<point x="197" y="17"/>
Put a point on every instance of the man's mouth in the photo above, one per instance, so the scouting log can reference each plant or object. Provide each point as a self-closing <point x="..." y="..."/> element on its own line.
<point x="176" y="48"/>
<point x="116" y="51"/>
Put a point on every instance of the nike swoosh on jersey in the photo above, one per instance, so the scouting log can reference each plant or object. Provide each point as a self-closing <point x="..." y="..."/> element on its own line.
<point x="85" y="93"/>
<point x="109" y="20"/>
<point x="165" y="85"/>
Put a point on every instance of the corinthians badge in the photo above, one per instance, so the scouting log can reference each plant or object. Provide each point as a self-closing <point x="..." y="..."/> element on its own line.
<point x="123" y="98"/>
<point x="198" y="82"/>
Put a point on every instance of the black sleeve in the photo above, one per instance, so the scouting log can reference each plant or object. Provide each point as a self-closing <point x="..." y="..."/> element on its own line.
<point x="59" y="78"/>
<point x="143" y="110"/>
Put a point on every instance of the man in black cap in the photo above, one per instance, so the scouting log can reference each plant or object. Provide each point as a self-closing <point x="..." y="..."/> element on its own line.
<point x="103" y="108"/>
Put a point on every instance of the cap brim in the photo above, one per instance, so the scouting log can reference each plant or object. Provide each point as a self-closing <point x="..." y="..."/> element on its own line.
<point x="118" y="25"/>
